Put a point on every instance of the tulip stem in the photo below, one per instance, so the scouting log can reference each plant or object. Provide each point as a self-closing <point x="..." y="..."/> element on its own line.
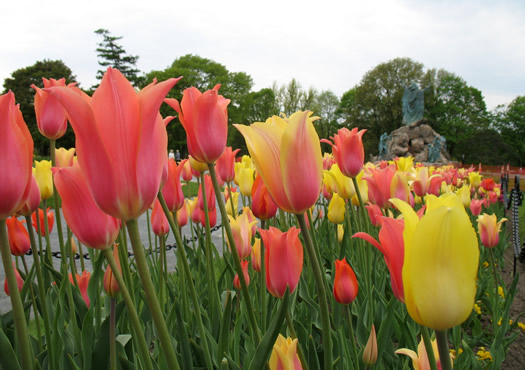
<point x="300" y="352"/>
<point x="41" y="292"/>
<point x="21" y="331"/>
<point x="46" y="231"/>
<point x="33" y="301"/>
<point x="112" y="341"/>
<point x="237" y="262"/>
<point x="444" y="354"/>
<point x="321" y="292"/>
<point x="132" y="312"/>
<point x="151" y="296"/>
<point x="262" y="280"/>
<point x="353" y="342"/>
<point x="186" y="271"/>
<point x="428" y="347"/>
<point x="234" y="211"/>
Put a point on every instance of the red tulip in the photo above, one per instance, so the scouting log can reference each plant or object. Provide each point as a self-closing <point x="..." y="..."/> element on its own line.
<point x="19" y="281"/>
<point x="16" y="157"/>
<point x="345" y="282"/>
<point x="263" y="206"/>
<point x="50" y="115"/>
<point x="83" y="282"/>
<point x="110" y="283"/>
<point x="89" y="223"/>
<point x="121" y="141"/>
<point x="488" y="184"/>
<point x="172" y="190"/>
<point x="32" y="201"/>
<point x="159" y="221"/>
<point x="379" y="181"/>
<point x="204" y="116"/>
<point x="283" y="259"/>
<point x="18" y="237"/>
<point x="393" y="248"/>
<point x="226" y="164"/>
<point x="50" y="220"/>
<point x="236" y="281"/>
<point x="348" y="150"/>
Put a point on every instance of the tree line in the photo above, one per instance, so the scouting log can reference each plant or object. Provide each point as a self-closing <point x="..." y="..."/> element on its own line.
<point x="453" y="108"/>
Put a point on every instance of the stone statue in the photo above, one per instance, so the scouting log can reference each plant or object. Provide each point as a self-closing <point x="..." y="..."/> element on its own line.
<point x="434" y="149"/>
<point x="413" y="104"/>
<point x="383" y="140"/>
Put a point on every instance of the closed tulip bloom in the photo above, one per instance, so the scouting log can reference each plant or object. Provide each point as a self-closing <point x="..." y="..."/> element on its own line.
<point x="475" y="206"/>
<point x="336" y="209"/>
<point x="339" y="183"/>
<point x="287" y="155"/>
<point x="16" y="157"/>
<point x="83" y="282"/>
<point x="245" y="179"/>
<point x="340" y="233"/>
<point x="50" y="220"/>
<point x="50" y="114"/>
<point x="64" y="157"/>
<point x="283" y="259"/>
<point x="172" y="189"/>
<point x="464" y="195"/>
<point x="18" y="237"/>
<point x="210" y="194"/>
<point x="33" y="200"/>
<point x="399" y="187"/>
<point x="421" y="183"/>
<point x="110" y="283"/>
<point x="489" y="228"/>
<point x="370" y="351"/>
<point x="89" y="223"/>
<point x="44" y="178"/>
<point x="391" y="245"/>
<point x="236" y="281"/>
<point x="159" y="221"/>
<point x="226" y="164"/>
<point x="375" y="214"/>
<point x="182" y="215"/>
<point x="474" y="179"/>
<point x="434" y="187"/>
<point x="19" y="281"/>
<point x="193" y="210"/>
<point x="441" y="262"/>
<point x="345" y="282"/>
<point x="121" y="141"/>
<point x="204" y="116"/>
<point x="488" y="184"/>
<point x="197" y="166"/>
<point x="256" y="255"/>
<point x="348" y="150"/>
<point x="235" y="199"/>
<point x="379" y="184"/>
<point x="404" y="164"/>
<point x="242" y="229"/>
<point x="186" y="171"/>
<point x="263" y="206"/>
<point x="284" y="354"/>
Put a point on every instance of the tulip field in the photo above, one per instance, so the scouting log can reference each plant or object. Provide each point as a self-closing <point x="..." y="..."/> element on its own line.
<point x="284" y="258"/>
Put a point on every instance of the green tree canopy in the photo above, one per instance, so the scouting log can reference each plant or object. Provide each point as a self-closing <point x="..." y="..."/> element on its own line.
<point x="111" y="54"/>
<point x="510" y="121"/>
<point x="20" y="84"/>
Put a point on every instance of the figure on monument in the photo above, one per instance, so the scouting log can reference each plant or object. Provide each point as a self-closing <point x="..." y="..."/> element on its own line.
<point x="413" y="103"/>
<point x="434" y="149"/>
<point x="383" y="140"/>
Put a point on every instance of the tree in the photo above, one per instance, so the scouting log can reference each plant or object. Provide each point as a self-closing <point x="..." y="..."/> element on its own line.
<point x="113" y="55"/>
<point x="20" y="84"/>
<point x="510" y="121"/>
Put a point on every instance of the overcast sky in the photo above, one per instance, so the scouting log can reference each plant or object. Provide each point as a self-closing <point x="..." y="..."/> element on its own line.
<point x="326" y="44"/>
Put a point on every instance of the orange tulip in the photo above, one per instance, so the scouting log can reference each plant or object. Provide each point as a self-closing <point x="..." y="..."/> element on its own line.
<point x="32" y="201"/>
<point x="110" y="283"/>
<point x="263" y="206"/>
<point x="348" y="150"/>
<point x="182" y="215"/>
<point x="226" y="164"/>
<point x="19" y="281"/>
<point x="92" y="227"/>
<point x="83" y="282"/>
<point x="16" y="157"/>
<point x="121" y="141"/>
<point x="283" y="259"/>
<point x="159" y="221"/>
<point x="345" y="282"/>
<point x="236" y="281"/>
<point x="18" y="237"/>
<point x="204" y="116"/>
<point x="50" y="220"/>
<point x="287" y="155"/>
<point x="172" y="190"/>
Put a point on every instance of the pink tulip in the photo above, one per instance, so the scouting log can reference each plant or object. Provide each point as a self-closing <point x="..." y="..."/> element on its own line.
<point x="226" y="164"/>
<point x="263" y="206"/>
<point x="345" y="282"/>
<point x="16" y="157"/>
<point x="33" y="200"/>
<point x="18" y="237"/>
<point x="159" y="221"/>
<point x="121" y="141"/>
<point x="19" y="281"/>
<point x="236" y="280"/>
<point x="89" y="223"/>
<point x="172" y="190"/>
<point x="379" y="181"/>
<point x="204" y="116"/>
<point x="348" y="150"/>
<point x="83" y="282"/>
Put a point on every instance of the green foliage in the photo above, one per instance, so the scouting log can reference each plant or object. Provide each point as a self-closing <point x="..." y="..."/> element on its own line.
<point x="510" y="121"/>
<point x="20" y="84"/>
<point x="111" y="54"/>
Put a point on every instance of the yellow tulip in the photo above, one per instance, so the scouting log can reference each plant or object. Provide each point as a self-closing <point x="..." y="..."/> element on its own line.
<point x="464" y="195"/>
<point x="198" y="166"/>
<point x="246" y="178"/>
<point x="340" y="233"/>
<point x="284" y="354"/>
<point x="420" y="359"/>
<point x="64" y="157"/>
<point x="343" y="184"/>
<point x="474" y="179"/>
<point x="405" y="164"/>
<point x="441" y="262"/>
<point x="44" y="178"/>
<point x="235" y="197"/>
<point x="336" y="209"/>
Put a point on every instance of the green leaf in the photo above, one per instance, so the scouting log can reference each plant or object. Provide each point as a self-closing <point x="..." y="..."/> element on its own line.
<point x="8" y="358"/>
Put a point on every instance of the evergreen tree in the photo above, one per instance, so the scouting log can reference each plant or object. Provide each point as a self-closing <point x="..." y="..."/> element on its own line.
<point x="113" y="55"/>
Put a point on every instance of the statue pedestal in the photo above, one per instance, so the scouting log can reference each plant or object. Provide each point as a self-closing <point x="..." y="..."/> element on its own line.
<point x="418" y="140"/>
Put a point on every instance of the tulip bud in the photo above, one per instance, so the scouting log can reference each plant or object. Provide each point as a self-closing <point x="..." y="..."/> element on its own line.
<point x="370" y="351"/>
<point x="345" y="282"/>
<point x="110" y="283"/>
<point x="236" y="281"/>
<point x="73" y="246"/>
<point x="159" y="221"/>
